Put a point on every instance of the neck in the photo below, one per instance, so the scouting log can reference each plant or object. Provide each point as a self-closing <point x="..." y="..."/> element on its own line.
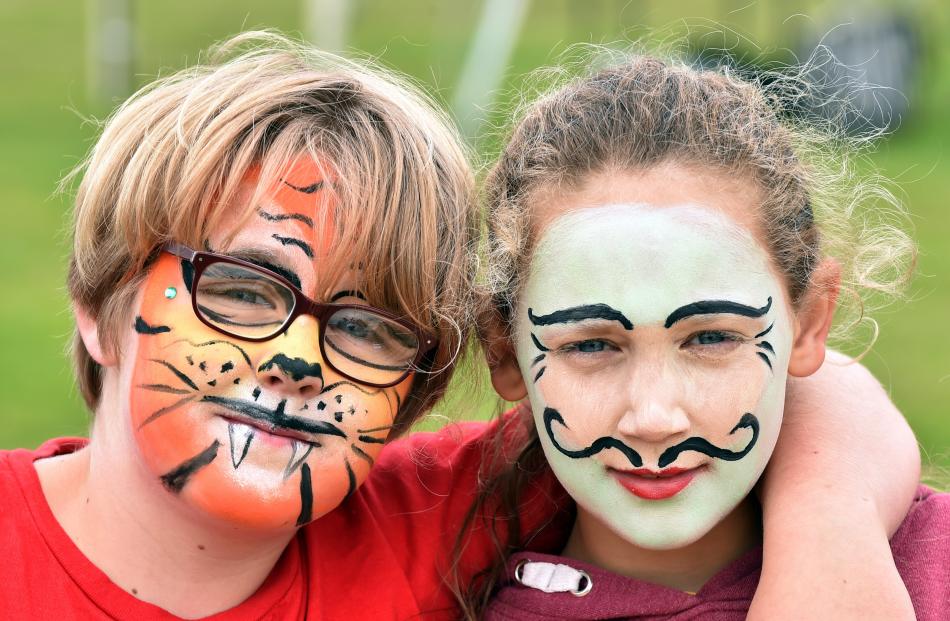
<point x="686" y="568"/>
<point x="117" y="514"/>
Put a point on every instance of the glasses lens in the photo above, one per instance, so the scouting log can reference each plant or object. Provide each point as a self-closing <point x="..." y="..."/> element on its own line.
<point x="369" y="347"/>
<point x="242" y="301"/>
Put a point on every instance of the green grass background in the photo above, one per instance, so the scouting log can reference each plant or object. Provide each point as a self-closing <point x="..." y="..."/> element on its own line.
<point x="43" y="104"/>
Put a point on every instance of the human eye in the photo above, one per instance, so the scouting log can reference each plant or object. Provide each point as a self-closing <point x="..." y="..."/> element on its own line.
<point x="713" y="341"/>
<point x="352" y="327"/>
<point x="587" y="346"/>
<point x="239" y="294"/>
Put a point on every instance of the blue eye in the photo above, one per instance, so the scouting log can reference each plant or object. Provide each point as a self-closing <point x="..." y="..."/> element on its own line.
<point x="710" y="338"/>
<point x="589" y="346"/>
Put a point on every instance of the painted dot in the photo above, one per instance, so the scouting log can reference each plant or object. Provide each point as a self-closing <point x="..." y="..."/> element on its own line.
<point x="170" y="293"/>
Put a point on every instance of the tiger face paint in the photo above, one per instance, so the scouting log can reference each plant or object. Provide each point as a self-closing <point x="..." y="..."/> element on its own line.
<point x="654" y="342"/>
<point x="260" y="434"/>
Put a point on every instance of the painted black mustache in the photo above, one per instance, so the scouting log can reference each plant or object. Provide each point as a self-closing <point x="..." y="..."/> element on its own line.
<point x="276" y="417"/>
<point x="605" y="442"/>
<point x="701" y="445"/>
<point x="695" y="443"/>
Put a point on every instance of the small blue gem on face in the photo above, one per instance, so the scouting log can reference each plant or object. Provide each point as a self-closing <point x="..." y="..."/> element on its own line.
<point x="170" y="293"/>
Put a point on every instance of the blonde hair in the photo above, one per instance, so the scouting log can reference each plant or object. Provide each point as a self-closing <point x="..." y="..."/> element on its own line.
<point x="170" y="159"/>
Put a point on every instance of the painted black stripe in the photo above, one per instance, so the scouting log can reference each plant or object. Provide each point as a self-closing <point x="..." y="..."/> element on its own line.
<point x="165" y="410"/>
<point x="279" y="217"/>
<point x="581" y="313"/>
<point x="362" y="454"/>
<point x="766" y="346"/>
<point x="540" y="373"/>
<point x="765" y="358"/>
<point x="537" y="359"/>
<point x="335" y="385"/>
<point x="164" y="388"/>
<point x="538" y="344"/>
<point x="307" y="189"/>
<point x="176" y="479"/>
<point x="372" y="440"/>
<point x="180" y="375"/>
<point x="143" y="328"/>
<point x="764" y="332"/>
<point x="293" y="241"/>
<point x="716" y="307"/>
<point x="351" y="476"/>
<point x="306" y="496"/>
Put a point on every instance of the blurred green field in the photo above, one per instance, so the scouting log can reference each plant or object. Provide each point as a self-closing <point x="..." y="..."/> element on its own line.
<point x="42" y="135"/>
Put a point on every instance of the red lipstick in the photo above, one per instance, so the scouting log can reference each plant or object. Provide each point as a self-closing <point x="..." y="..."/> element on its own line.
<point x="655" y="484"/>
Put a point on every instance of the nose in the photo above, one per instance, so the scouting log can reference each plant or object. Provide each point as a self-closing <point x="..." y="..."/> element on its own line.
<point x="291" y="365"/>
<point x="654" y="411"/>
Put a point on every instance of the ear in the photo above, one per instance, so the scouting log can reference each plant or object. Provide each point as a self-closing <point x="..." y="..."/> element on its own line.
<point x="89" y="333"/>
<point x="813" y="319"/>
<point x="502" y="362"/>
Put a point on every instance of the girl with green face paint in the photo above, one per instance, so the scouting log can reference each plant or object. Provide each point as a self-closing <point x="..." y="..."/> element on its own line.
<point x="658" y="277"/>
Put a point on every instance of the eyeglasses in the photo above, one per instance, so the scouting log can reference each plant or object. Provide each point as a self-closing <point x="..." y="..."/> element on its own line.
<point x="238" y="298"/>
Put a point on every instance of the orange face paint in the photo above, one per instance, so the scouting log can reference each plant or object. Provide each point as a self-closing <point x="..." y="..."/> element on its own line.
<point x="203" y="403"/>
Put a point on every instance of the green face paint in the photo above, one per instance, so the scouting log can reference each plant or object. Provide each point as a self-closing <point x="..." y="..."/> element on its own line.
<point x="655" y="343"/>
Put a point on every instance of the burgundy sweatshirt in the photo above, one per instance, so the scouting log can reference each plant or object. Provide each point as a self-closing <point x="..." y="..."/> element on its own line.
<point x="921" y="549"/>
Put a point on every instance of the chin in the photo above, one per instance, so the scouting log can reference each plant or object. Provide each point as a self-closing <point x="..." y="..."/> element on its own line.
<point x="662" y="532"/>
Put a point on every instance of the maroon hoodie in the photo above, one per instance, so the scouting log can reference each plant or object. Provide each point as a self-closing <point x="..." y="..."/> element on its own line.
<point x="921" y="549"/>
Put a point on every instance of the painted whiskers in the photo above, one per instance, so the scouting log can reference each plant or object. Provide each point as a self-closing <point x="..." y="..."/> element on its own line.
<point x="215" y="373"/>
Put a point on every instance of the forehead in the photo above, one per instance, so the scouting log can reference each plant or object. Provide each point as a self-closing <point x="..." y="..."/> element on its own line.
<point x="647" y="260"/>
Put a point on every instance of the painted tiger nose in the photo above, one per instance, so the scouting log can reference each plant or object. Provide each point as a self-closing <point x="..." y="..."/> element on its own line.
<point x="291" y="376"/>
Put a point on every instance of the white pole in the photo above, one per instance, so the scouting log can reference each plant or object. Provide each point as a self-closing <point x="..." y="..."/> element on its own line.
<point x="487" y="60"/>
<point x="110" y="49"/>
<point x="327" y="23"/>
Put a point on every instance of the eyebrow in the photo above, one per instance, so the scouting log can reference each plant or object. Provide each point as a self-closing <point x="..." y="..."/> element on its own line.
<point x="716" y="307"/>
<point x="266" y="260"/>
<point x="347" y="293"/>
<point x="581" y="313"/>
<point x="280" y="217"/>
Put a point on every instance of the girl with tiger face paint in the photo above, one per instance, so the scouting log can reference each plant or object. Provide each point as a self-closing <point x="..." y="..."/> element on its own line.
<point x="263" y="434"/>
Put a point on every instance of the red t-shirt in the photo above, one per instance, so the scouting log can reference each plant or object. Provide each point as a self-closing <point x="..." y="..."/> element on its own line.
<point x="383" y="554"/>
<point x="921" y="549"/>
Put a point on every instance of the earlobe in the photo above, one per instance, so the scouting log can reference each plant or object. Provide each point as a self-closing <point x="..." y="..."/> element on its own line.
<point x="502" y="362"/>
<point x="814" y="319"/>
<point x="89" y="333"/>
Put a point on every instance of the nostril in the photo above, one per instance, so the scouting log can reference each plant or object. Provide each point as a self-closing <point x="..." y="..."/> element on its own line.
<point x="273" y="381"/>
<point x="308" y="390"/>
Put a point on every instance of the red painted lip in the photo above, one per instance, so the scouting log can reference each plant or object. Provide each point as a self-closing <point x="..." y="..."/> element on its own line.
<point x="655" y="484"/>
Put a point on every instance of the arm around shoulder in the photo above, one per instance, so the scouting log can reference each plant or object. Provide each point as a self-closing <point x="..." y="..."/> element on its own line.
<point x="840" y="483"/>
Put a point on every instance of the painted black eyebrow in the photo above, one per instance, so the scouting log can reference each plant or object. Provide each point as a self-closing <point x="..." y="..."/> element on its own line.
<point x="581" y="313"/>
<point x="293" y="241"/>
<point x="347" y="293"/>
<point x="254" y="257"/>
<point x="279" y="217"/>
<point x="716" y="307"/>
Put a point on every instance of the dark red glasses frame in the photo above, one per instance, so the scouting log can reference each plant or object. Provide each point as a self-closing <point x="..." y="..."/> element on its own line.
<point x="303" y="305"/>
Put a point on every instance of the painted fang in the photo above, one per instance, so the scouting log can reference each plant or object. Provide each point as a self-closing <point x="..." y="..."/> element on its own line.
<point x="241" y="429"/>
